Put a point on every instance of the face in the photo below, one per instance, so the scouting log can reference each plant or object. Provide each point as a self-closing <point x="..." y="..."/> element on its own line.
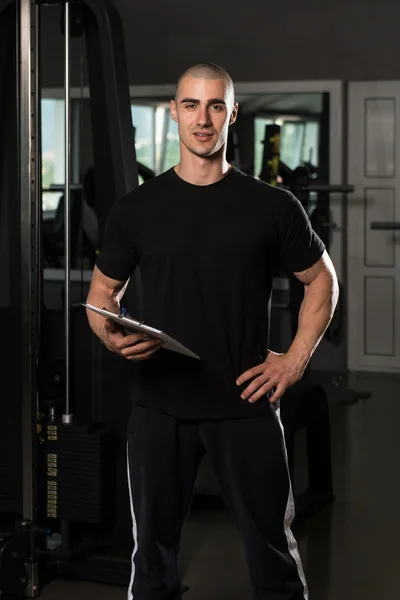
<point x="203" y="109"/>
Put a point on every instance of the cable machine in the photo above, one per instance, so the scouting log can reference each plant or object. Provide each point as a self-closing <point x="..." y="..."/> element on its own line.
<point x="60" y="488"/>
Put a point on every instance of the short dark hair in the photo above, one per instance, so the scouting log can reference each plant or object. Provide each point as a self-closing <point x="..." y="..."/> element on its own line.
<point x="206" y="70"/>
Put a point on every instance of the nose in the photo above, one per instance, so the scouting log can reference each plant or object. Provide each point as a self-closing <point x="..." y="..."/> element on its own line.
<point x="203" y="117"/>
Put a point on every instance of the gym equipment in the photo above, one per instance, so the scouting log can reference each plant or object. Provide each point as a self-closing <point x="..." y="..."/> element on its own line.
<point x="232" y="150"/>
<point x="81" y="246"/>
<point x="306" y="408"/>
<point x="302" y="181"/>
<point x="41" y="375"/>
<point x="271" y="154"/>
<point x="10" y="377"/>
<point x="54" y="242"/>
<point x="145" y="172"/>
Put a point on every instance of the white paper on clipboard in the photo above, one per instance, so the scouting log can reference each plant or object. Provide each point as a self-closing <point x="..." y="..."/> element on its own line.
<point x="131" y="325"/>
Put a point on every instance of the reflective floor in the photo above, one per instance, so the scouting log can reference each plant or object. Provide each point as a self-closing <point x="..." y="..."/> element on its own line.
<point x="350" y="550"/>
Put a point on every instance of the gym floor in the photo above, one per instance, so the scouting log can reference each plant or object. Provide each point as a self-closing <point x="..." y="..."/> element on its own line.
<point x="349" y="550"/>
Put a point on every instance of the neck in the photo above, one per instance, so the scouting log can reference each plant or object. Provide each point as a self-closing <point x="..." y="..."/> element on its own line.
<point x="202" y="171"/>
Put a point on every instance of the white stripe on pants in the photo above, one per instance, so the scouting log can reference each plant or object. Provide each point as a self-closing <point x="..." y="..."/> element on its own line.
<point x="290" y="509"/>
<point x="135" y="538"/>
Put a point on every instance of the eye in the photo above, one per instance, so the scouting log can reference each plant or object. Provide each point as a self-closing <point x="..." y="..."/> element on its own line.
<point x="190" y="106"/>
<point x="217" y="107"/>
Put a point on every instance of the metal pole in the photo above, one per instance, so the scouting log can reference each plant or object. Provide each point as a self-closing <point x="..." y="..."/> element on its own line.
<point x="28" y="143"/>
<point x="331" y="189"/>
<point x="28" y="154"/>
<point x="322" y="187"/>
<point x="38" y="176"/>
<point x="67" y="417"/>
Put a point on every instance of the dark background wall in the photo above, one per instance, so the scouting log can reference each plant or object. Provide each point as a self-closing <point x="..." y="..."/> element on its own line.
<point x="255" y="40"/>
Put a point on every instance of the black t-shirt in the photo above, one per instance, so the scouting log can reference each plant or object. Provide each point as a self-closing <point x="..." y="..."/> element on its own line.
<point x="207" y="256"/>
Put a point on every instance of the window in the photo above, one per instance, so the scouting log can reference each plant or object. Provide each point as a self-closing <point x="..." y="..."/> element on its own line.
<point x="171" y="155"/>
<point x="143" y="118"/>
<point x="156" y="137"/>
<point x="299" y="143"/>
<point x="311" y="143"/>
<point x="53" y="152"/>
<point x="53" y="147"/>
<point x="292" y="134"/>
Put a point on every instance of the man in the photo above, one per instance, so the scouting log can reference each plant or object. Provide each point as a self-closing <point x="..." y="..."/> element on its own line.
<point x="208" y="239"/>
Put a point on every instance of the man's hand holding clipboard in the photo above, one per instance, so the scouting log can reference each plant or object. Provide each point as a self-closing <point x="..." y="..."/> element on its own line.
<point x="133" y="339"/>
<point x="133" y="346"/>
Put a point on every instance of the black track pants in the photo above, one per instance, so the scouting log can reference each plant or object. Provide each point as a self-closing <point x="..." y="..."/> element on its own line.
<point x="249" y="458"/>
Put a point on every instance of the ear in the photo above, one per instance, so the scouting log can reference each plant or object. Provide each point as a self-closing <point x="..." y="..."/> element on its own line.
<point x="173" y="110"/>
<point x="234" y="114"/>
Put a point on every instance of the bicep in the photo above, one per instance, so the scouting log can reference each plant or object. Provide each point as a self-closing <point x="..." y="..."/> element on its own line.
<point x="300" y="247"/>
<point x="118" y="256"/>
<point x="323" y="266"/>
<point x="112" y="287"/>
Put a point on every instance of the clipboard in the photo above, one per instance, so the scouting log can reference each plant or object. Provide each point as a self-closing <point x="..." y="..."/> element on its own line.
<point x="130" y="325"/>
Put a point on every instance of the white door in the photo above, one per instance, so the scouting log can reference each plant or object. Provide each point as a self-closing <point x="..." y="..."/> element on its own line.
<point x="374" y="255"/>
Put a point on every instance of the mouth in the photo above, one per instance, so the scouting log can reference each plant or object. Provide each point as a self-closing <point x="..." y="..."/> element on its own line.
<point x="203" y="137"/>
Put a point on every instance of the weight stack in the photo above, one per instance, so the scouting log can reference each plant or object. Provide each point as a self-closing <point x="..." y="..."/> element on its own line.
<point x="10" y="467"/>
<point x="76" y="481"/>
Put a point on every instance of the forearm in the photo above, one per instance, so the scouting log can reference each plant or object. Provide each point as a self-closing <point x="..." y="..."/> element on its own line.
<point x="316" y="312"/>
<point x="102" y="299"/>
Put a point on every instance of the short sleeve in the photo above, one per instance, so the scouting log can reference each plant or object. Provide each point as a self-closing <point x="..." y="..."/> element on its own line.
<point x="118" y="257"/>
<point x="300" y="247"/>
